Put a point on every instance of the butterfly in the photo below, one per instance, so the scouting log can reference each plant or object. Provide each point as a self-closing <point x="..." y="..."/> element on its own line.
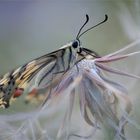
<point x="14" y="83"/>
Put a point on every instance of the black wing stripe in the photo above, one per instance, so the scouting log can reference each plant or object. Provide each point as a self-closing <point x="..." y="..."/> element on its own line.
<point x="69" y="58"/>
<point x="91" y="53"/>
<point x="47" y="73"/>
<point x="62" y="59"/>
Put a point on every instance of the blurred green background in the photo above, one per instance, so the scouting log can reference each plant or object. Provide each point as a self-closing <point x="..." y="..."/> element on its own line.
<point x="31" y="28"/>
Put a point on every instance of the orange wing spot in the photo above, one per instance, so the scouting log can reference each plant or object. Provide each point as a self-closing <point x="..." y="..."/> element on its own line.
<point x="33" y="92"/>
<point x="18" y="92"/>
<point x="32" y="96"/>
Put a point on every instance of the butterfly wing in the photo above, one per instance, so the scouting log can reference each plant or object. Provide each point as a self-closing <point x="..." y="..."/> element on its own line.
<point x="15" y="82"/>
<point x="47" y="71"/>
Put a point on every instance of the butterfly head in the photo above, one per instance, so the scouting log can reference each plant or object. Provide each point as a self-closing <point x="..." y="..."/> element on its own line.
<point x="76" y="44"/>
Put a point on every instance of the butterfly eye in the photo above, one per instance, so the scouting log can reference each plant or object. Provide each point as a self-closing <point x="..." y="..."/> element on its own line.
<point x="75" y="44"/>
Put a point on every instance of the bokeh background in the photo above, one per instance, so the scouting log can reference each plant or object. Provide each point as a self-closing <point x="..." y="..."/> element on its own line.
<point x="31" y="28"/>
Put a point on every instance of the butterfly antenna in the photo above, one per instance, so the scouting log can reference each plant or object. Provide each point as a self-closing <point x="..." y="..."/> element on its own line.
<point x="79" y="35"/>
<point x="87" y="19"/>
